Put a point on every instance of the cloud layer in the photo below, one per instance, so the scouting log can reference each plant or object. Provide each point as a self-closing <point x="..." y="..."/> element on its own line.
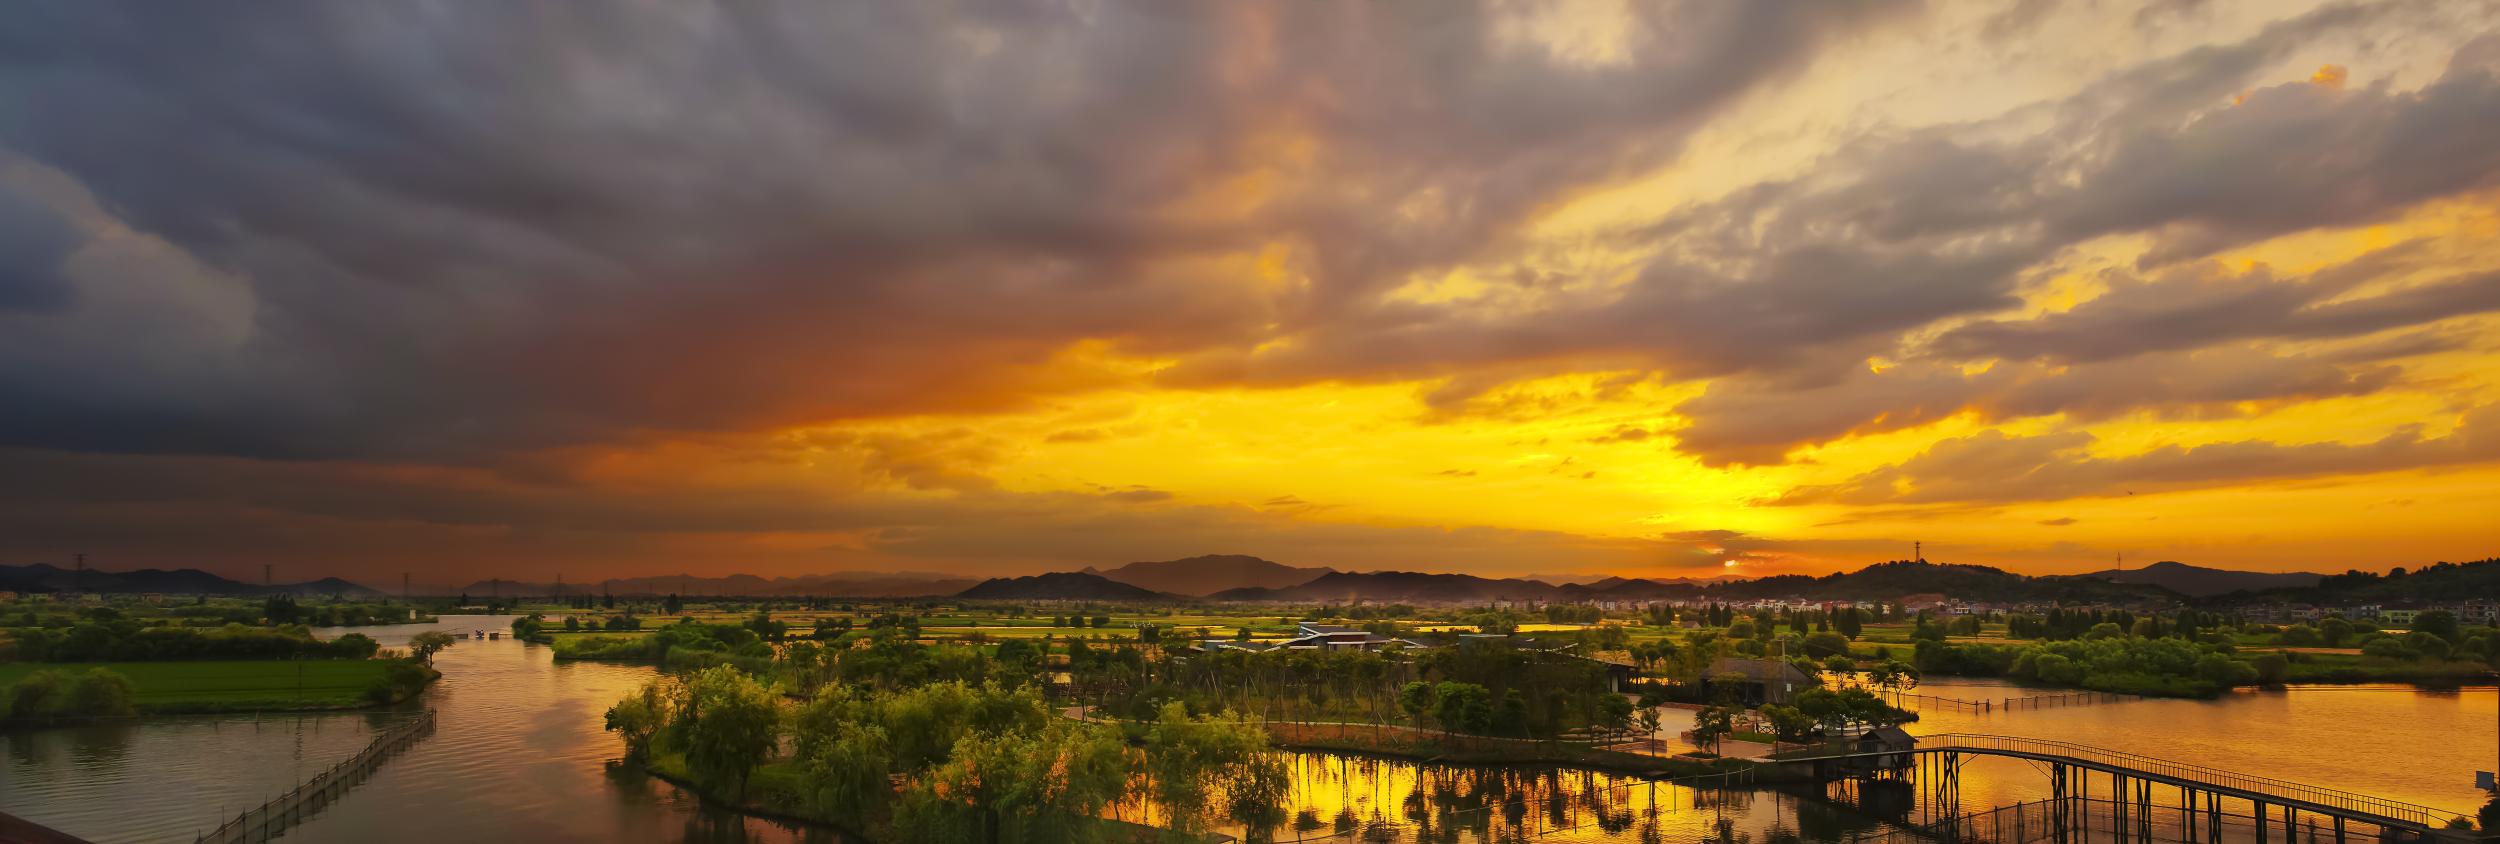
<point x="832" y="284"/>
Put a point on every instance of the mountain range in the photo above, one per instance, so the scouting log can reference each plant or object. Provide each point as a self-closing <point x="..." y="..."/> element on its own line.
<point x="1059" y="586"/>
<point x="2201" y="582"/>
<point x="42" y="577"/>
<point x="837" y="584"/>
<point x="1210" y="574"/>
<point x="1234" y="577"/>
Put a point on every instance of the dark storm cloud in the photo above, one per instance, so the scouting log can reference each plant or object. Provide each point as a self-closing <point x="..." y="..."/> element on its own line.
<point x="2293" y="157"/>
<point x="524" y="225"/>
<point x="232" y="514"/>
<point x="34" y="241"/>
<point x="2191" y="309"/>
<point x="514" y="225"/>
<point x="1993" y="467"/>
<point x="1745" y="421"/>
<point x="1799" y="281"/>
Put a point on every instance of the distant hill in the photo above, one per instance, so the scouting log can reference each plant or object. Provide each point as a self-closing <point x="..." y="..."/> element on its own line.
<point x="830" y="585"/>
<point x="1058" y="586"/>
<point x="1400" y="586"/>
<point x="1894" y="580"/>
<point x="1212" y="573"/>
<point x="1635" y="589"/>
<point x="2437" y="582"/>
<point x="2199" y="581"/>
<point x="48" y="578"/>
<point x="1425" y="587"/>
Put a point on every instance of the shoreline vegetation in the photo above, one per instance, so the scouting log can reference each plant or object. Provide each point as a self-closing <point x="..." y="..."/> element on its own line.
<point x="893" y="720"/>
<point x="55" y="694"/>
<point x="871" y="728"/>
<point x="65" y="664"/>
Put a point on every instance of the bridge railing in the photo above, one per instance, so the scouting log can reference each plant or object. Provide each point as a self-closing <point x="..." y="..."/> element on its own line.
<point x="271" y="819"/>
<point x="2359" y="804"/>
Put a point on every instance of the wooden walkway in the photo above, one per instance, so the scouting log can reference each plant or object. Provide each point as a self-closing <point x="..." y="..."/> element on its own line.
<point x="1986" y="705"/>
<point x="2258" y="790"/>
<point x="271" y="818"/>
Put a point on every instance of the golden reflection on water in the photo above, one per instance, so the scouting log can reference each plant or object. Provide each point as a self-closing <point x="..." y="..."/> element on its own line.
<point x="1354" y="798"/>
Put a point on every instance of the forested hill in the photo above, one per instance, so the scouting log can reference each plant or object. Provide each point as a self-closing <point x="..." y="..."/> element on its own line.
<point x="1059" y="586"/>
<point x="48" y="578"/>
<point x="1894" y="580"/>
<point x="1211" y="573"/>
<point x="2437" y="582"/>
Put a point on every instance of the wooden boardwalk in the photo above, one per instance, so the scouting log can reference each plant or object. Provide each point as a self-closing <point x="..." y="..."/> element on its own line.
<point x="2137" y="770"/>
<point x="271" y="818"/>
<point x="1986" y="705"/>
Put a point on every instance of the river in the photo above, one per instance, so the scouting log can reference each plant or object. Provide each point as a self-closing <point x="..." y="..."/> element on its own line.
<point x="519" y="755"/>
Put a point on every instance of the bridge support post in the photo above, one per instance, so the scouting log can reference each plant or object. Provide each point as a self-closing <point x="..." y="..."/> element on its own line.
<point x="2187" y="814"/>
<point x="2339" y="829"/>
<point x="2213" y="818"/>
<point x="2057" y="802"/>
<point x="2144" y="811"/>
<point x="2118" y="828"/>
<point x="2257" y="812"/>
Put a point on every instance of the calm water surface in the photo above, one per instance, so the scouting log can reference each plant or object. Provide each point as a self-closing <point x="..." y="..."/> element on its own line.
<point x="519" y="755"/>
<point x="2395" y="742"/>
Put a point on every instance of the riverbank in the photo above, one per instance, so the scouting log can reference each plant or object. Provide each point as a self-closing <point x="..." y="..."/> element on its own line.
<point x="229" y="686"/>
<point x="1430" y="746"/>
<point x="771" y="796"/>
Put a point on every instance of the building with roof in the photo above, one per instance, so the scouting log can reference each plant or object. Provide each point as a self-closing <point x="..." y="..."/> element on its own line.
<point x="1312" y="636"/>
<point x="1757" y="681"/>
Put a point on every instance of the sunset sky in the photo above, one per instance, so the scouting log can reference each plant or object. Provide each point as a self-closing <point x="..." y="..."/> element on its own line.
<point x="1672" y="289"/>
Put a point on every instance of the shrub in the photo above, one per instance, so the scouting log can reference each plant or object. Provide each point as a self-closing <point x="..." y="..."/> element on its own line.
<point x="1822" y="645"/>
<point x="35" y="694"/>
<point x="101" y="691"/>
<point x="2272" y="669"/>
<point x="2386" y="647"/>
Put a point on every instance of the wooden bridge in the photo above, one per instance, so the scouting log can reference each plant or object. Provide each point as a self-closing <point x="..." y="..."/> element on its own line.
<point x="2010" y="704"/>
<point x="272" y="818"/>
<point x="2201" y="788"/>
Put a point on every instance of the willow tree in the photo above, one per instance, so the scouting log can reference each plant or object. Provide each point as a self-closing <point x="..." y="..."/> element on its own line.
<point x="729" y="726"/>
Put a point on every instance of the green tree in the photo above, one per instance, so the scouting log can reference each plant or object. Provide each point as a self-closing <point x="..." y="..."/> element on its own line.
<point x="2430" y="647"/>
<point x="101" y="691"/>
<point x="1650" y="720"/>
<point x="1849" y="622"/>
<point x="1462" y="707"/>
<point x="2335" y="632"/>
<point x="729" y="721"/>
<point x="1190" y="762"/>
<point x="2440" y="623"/>
<point x="2272" y="669"/>
<point x="1713" y="723"/>
<point x="2386" y="647"/>
<point x="637" y="719"/>
<point x="423" y="646"/>
<point x="1789" y="722"/>
<point x="2223" y="671"/>
<point x="1416" y="700"/>
<point x="36" y="694"/>
<point x="1042" y="787"/>
<point x="1820" y="645"/>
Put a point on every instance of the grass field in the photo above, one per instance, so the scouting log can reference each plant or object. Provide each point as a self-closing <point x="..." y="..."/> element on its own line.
<point x="212" y="685"/>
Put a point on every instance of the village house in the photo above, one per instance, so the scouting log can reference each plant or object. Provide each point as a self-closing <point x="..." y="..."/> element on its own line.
<point x="1757" y="681"/>
<point x="1312" y="636"/>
